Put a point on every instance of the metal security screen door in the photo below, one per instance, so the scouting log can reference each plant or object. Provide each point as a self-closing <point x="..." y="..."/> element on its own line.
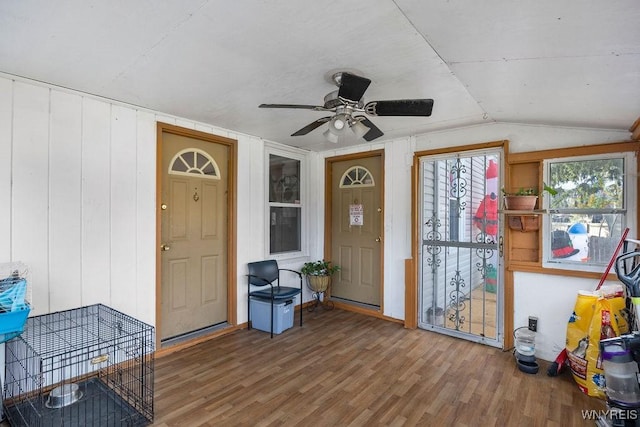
<point x="460" y="270"/>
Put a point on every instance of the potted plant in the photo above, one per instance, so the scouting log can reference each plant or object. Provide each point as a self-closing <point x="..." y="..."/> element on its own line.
<point x="319" y="274"/>
<point x="524" y="198"/>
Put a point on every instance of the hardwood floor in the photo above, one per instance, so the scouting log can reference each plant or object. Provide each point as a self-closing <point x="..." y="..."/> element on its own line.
<point x="347" y="369"/>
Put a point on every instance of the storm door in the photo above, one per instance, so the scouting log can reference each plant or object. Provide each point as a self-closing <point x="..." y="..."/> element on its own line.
<point x="460" y="286"/>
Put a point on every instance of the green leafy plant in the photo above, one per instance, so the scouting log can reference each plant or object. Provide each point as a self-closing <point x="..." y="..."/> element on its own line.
<point x="319" y="268"/>
<point x="531" y="191"/>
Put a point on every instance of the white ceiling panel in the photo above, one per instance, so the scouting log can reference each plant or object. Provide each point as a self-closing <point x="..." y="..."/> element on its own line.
<point x="493" y="30"/>
<point x="577" y="91"/>
<point x="570" y="63"/>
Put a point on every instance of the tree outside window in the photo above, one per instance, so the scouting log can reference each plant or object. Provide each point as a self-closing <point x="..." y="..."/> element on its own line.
<point x="588" y="213"/>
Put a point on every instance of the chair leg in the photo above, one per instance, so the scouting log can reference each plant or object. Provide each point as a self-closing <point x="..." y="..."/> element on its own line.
<point x="300" y="309"/>
<point x="271" y="317"/>
<point x="249" y="313"/>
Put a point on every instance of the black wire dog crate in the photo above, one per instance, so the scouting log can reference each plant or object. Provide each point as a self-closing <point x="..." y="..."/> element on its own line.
<point x="89" y="366"/>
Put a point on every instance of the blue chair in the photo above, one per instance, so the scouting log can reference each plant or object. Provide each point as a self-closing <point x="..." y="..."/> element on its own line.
<point x="266" y="273"/>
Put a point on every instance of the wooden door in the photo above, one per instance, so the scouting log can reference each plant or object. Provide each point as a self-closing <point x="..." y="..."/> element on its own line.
<point x="356" y="229"/>
<point x="194" y="234"/>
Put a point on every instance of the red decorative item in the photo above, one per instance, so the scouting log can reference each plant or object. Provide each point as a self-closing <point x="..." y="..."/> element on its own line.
<point x="486" y="217"/>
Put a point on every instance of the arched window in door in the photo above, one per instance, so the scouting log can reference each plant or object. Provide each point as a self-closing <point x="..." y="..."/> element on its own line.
<point x="193" y="161"/>
<point x="357" y="176"/>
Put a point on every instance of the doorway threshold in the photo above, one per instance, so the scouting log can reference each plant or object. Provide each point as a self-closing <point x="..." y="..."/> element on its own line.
<point x="179" y="339"/>
<point x="356" y="303"/>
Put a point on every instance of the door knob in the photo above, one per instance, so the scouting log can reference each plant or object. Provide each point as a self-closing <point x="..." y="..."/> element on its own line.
<point x="164" y="247"/>
<point x="378" y="239"/>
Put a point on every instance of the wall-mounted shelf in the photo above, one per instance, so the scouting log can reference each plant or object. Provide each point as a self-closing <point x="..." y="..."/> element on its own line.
<point x="524" y="241"/>
<point x="531" y="212"/>
<point x="524" y="223"/>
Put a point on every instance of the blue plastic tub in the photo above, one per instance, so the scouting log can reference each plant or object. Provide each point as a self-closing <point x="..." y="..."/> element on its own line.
<point x="12" y="322"/>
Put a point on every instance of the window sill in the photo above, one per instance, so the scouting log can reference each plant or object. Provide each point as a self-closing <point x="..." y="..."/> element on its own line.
<point x="532" y="267"/>
<point x="523" y="212"/>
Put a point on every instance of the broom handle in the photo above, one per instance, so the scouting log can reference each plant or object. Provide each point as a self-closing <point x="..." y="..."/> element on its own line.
<point x="613" y="257"/>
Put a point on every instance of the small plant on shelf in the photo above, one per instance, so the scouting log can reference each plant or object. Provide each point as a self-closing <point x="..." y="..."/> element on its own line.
<point x="525" y="198"/>
<point x="531" y="191"/>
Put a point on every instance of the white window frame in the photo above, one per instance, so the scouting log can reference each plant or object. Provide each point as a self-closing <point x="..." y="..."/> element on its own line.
<point x="630" y="194"/>
<point x="301" y="156"/>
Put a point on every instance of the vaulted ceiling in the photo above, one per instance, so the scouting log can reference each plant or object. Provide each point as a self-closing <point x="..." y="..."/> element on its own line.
<point x="569" y="63"/>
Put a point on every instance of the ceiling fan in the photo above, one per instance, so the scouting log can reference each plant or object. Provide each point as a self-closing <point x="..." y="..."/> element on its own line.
<point x="346" y="103"/>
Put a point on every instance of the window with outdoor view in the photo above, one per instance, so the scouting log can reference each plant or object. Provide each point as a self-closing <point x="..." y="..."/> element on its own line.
<point x="285" y="207"/>
<point x="589" y="212"/>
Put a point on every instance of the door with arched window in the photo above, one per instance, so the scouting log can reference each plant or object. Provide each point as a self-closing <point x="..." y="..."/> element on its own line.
<point x="356" y="218"/>
<point x="194" y="235"/>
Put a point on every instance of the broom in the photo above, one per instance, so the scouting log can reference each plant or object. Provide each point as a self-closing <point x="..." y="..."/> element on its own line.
<point x="558" y="365"/>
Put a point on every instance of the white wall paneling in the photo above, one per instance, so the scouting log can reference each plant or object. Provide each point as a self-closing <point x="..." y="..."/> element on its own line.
<point x="6" y="126"/>
<point x="65" y="202"/>
<point x="30" y="189"/>
<point x="96" y="202"/>
<point x="397" y="225"/>
<point x="251" y="208"/>
<point x="123" y="163"/>
<point x="145" y="277"/>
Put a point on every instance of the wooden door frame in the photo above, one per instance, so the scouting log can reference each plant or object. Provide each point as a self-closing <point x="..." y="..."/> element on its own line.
<point x="412" y="281"/>
<point x="328" y="204"/>
<point x="232" y="165"/>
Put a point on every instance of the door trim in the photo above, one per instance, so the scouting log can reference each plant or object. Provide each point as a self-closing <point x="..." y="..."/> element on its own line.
<point x="232" y="165"/>
<point x="328" y="195"/>
<point x="411" y="295"/>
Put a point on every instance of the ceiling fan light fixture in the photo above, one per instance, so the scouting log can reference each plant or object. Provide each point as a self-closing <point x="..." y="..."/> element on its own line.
<point x="339" y="122"/>
<point x="330" y="136"/>
<point x="359" y="129"/>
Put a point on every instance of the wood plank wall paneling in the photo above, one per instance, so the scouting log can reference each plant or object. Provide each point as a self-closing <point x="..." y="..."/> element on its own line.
<point x="145" y="216"/>
<point x="78" y="196"/>
<point x="77" y="188"/>
<point x="123" y="206"/>
<point x="30" y="192"/>
<point x="65" y="205"/>
<point x="96" y="202"/>
<point x="6" y="126"/>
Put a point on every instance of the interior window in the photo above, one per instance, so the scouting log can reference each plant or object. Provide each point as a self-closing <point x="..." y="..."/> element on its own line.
<point x="589" y="212"/>
<point x="285" y="207"/>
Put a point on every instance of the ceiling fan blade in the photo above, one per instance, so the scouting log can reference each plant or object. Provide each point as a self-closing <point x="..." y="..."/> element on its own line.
<point x="311" y="126"/>
<point x="296" y="106"/>
<point x="373" y="133"/>
<point x="400" y="107"/>
<point x="352" y="87"/>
